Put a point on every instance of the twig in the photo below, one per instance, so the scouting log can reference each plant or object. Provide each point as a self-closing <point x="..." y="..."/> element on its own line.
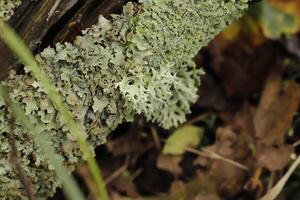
<point x="297" y="143"/>
<point x="118" y="172"/>
<point x="155" y="137"/>
<point x="196" y="119"/>
<point x="136" y="173"/>
<point x="213" y="155"/>
<point x="275" y="191"/>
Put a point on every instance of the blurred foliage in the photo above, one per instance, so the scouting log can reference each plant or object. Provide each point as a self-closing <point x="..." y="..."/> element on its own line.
<point x="269" y="19"/>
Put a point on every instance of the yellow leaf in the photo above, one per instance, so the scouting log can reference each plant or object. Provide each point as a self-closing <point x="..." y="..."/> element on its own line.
<point x="186" y="136"/>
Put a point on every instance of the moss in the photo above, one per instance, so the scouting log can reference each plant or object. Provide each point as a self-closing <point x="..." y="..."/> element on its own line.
<point x="7" y="7"/>
<point x="137" y="62"/>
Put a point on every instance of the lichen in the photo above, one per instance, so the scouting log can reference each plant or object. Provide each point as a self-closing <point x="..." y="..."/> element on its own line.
<point x="139" y="62"/>
<point x="7" y="8"/>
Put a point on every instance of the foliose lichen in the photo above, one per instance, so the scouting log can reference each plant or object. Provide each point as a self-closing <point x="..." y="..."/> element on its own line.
<point x="139" y="62"/>
<point x="7" y="8"/>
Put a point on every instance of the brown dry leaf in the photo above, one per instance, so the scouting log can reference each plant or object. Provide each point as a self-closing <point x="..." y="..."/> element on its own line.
<point x="201" y="161"/>
<point x="274" y="158"/>
<point x="125" y="185"/>
<point x="169" y="163"/>
<point x="116" y="196"/>
<point x="207" y="197"/>
<point x="235" y="139"/>
<point x="274" y="116"/>
<point x="230" y="178"/>
<point x="232" y="143"/>
<point x="186" y="191"/>
<point x="189" y="190"/>
<point x="274" y="193"/>
<point x="278" y="104"/>
<point x="177" y="186"/>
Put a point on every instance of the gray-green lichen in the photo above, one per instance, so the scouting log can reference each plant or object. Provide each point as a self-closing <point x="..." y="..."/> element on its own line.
<point x="139" y="62"/>
<point x="7" y="8"/>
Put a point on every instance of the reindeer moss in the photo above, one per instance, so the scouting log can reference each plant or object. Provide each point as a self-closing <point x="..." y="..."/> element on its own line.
<point x="139" y="62"/>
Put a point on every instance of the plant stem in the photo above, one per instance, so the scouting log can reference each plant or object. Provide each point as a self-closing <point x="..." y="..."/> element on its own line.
<point x="16" y="44"/>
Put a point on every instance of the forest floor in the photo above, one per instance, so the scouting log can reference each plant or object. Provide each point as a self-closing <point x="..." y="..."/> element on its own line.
<point x="243" y="132"/>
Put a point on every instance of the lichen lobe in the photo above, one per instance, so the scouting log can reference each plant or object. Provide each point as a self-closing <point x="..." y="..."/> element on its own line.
<point x="140" y="62"/>
<point x="7" y="8"/>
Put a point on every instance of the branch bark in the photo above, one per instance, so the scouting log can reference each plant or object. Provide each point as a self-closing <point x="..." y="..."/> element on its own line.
<point x="44" y="22"/>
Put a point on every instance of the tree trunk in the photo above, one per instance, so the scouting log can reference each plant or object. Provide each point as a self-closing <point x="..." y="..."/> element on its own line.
<point x="45" y="22"/>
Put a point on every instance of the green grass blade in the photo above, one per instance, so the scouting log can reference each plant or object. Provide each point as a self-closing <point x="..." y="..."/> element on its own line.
<point x="70" y="187"/>
<point x="17" y="45"/>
